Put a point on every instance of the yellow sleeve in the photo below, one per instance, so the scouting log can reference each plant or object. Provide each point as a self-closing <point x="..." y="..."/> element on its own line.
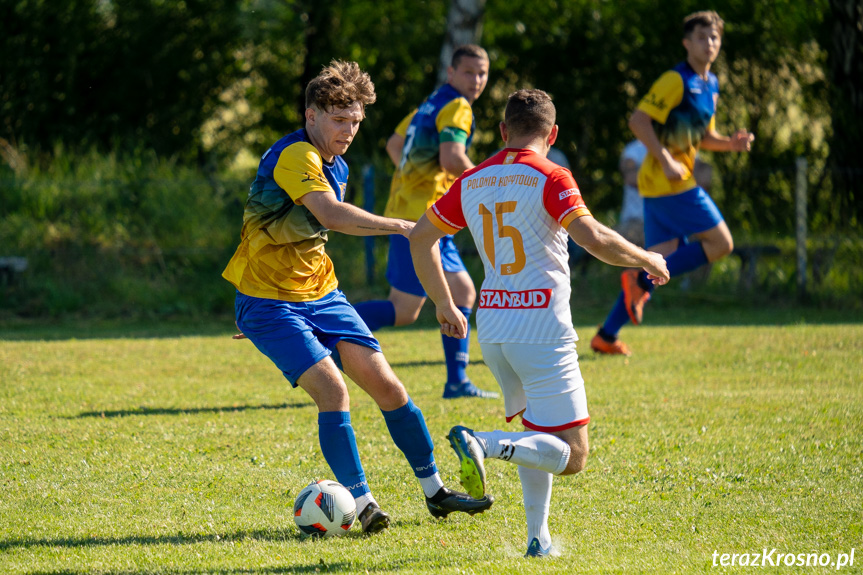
<point x="665" y="94"/>
<point x="300" y="170"/>
<point x="402" y="128"/>
<point x="454" y="120"/>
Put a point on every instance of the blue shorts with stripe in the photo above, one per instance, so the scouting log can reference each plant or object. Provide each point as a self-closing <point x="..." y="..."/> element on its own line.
<point x="400" y="265"/>
<point x="297" y="335"/>
<point x="679" y="216"/>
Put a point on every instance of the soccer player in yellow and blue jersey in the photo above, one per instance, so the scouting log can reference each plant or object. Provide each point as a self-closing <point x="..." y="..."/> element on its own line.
<point x="289" y="305"/>
<point x="429" y="149"/>
<point x="674" y="120"/>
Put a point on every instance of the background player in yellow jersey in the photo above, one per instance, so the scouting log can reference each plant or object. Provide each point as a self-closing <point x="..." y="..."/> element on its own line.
<point x="289" y="305"/>
<point x="429" y="149"/>
<point x="674" y="120"/>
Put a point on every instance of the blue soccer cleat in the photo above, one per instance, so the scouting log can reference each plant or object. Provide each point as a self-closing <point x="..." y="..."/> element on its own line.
<point x="536" y="550"/>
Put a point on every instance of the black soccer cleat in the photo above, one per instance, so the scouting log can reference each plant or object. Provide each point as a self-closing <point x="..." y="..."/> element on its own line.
<point x="374" y="519"/>
<point x="446" y="501"/>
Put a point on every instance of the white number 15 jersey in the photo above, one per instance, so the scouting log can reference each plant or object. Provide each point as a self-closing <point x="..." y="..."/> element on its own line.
<point x="517" y="205"/>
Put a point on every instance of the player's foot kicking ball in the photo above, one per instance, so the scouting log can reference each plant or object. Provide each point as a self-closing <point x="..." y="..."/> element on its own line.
<point x="374" y="519"/>
<point x="446" y="501"/>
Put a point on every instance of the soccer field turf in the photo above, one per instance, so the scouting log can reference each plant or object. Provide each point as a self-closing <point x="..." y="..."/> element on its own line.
<point x="182" y="455"/>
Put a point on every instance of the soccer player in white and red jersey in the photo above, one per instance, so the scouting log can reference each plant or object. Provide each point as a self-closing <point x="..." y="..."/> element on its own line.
<point x="519" y="207"/>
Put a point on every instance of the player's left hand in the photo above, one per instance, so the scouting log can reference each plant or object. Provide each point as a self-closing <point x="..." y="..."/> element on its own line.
<point x="452" y="321"/>
<point x="239" y="335"/>
<point x="741" y="141"/>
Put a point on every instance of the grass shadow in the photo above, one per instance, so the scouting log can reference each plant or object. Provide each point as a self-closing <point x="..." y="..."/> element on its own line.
<point x="320" y="567"/>
<point x="184" y="410"/>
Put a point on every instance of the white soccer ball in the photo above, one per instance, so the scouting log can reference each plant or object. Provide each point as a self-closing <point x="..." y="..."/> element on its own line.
<point x="324" y="509"/>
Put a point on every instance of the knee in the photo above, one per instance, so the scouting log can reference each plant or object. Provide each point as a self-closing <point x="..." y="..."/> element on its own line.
<point x="407" y="310"/>
<point x="406" y="317"/>
<point x="727" y="247"/>
<point x="577" y="460"/>
<point x="718" y="248"/>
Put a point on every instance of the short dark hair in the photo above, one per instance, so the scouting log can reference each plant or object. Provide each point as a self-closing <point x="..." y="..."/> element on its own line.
<point x="529" y="112"/>
<point x="468" y="51"/>
<point x="339" y="85"/>
<point x="704" y="18"/>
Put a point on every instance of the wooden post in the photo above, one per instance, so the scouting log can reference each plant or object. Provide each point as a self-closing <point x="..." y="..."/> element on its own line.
<point x="800" y="211"/>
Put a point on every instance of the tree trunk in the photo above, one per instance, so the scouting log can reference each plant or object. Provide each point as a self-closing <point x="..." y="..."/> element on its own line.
<point x="463" y="26"/>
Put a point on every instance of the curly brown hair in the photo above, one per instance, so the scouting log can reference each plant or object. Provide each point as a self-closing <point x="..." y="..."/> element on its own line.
<point x="339" y="85"/>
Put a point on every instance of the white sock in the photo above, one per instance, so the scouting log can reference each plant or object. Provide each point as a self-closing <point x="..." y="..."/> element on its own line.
<point x="532" y="449"/>
<point x="536" y="489"/>
<point x="364" y="500"/>
<point x="431" y="485"/>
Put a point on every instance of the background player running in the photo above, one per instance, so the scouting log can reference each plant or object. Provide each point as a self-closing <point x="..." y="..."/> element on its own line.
<point x="674" y="120"/>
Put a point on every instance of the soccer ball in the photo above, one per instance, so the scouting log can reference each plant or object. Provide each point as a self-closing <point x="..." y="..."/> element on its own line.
<point x="324" y="509"/>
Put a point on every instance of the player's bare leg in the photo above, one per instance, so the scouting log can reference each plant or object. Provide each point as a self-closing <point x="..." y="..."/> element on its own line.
<point x="407" y="306"/>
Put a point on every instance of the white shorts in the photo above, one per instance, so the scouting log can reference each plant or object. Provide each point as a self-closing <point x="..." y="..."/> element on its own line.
<point x="541" y="380"/>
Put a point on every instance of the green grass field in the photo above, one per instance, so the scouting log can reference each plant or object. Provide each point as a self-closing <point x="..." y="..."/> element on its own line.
<point x="174" y="449"/>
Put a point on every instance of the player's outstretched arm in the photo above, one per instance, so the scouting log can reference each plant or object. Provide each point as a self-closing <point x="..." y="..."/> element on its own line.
<point x="349" y="219"/>
<point x="426" y="256"/>
<point x="612" y="248"/>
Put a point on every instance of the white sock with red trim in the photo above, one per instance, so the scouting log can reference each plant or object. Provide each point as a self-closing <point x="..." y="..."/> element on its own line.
<point x="533" y="449"/>
<point x="536" y="489"/>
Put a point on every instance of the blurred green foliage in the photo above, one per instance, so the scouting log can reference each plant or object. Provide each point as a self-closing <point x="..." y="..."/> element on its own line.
<point x="130" y="130"/>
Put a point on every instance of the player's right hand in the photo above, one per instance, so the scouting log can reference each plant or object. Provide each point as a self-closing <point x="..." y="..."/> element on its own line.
<point x="674" y="170"/>
<point x="452" y="321"/>
<point x="657" y="269"/>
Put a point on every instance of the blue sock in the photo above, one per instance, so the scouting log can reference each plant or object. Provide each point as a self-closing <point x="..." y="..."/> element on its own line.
<point x="686" y="258"/>
<point x="377" y="313"/>
<point x="617" y="318"/>
<point x="409" y="432"/>
<point x="456" y="353"/>
<point x="339" y="446"/>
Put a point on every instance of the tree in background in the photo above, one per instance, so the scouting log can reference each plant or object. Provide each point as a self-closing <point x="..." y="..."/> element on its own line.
<point x="846" y="97"/>
<point x="136" y="73"/>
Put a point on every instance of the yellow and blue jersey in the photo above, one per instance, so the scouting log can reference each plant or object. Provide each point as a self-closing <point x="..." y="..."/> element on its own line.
<point x="419" y="181"/>
<point x="281" y="253"/>
<point x="682" y="105"/>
